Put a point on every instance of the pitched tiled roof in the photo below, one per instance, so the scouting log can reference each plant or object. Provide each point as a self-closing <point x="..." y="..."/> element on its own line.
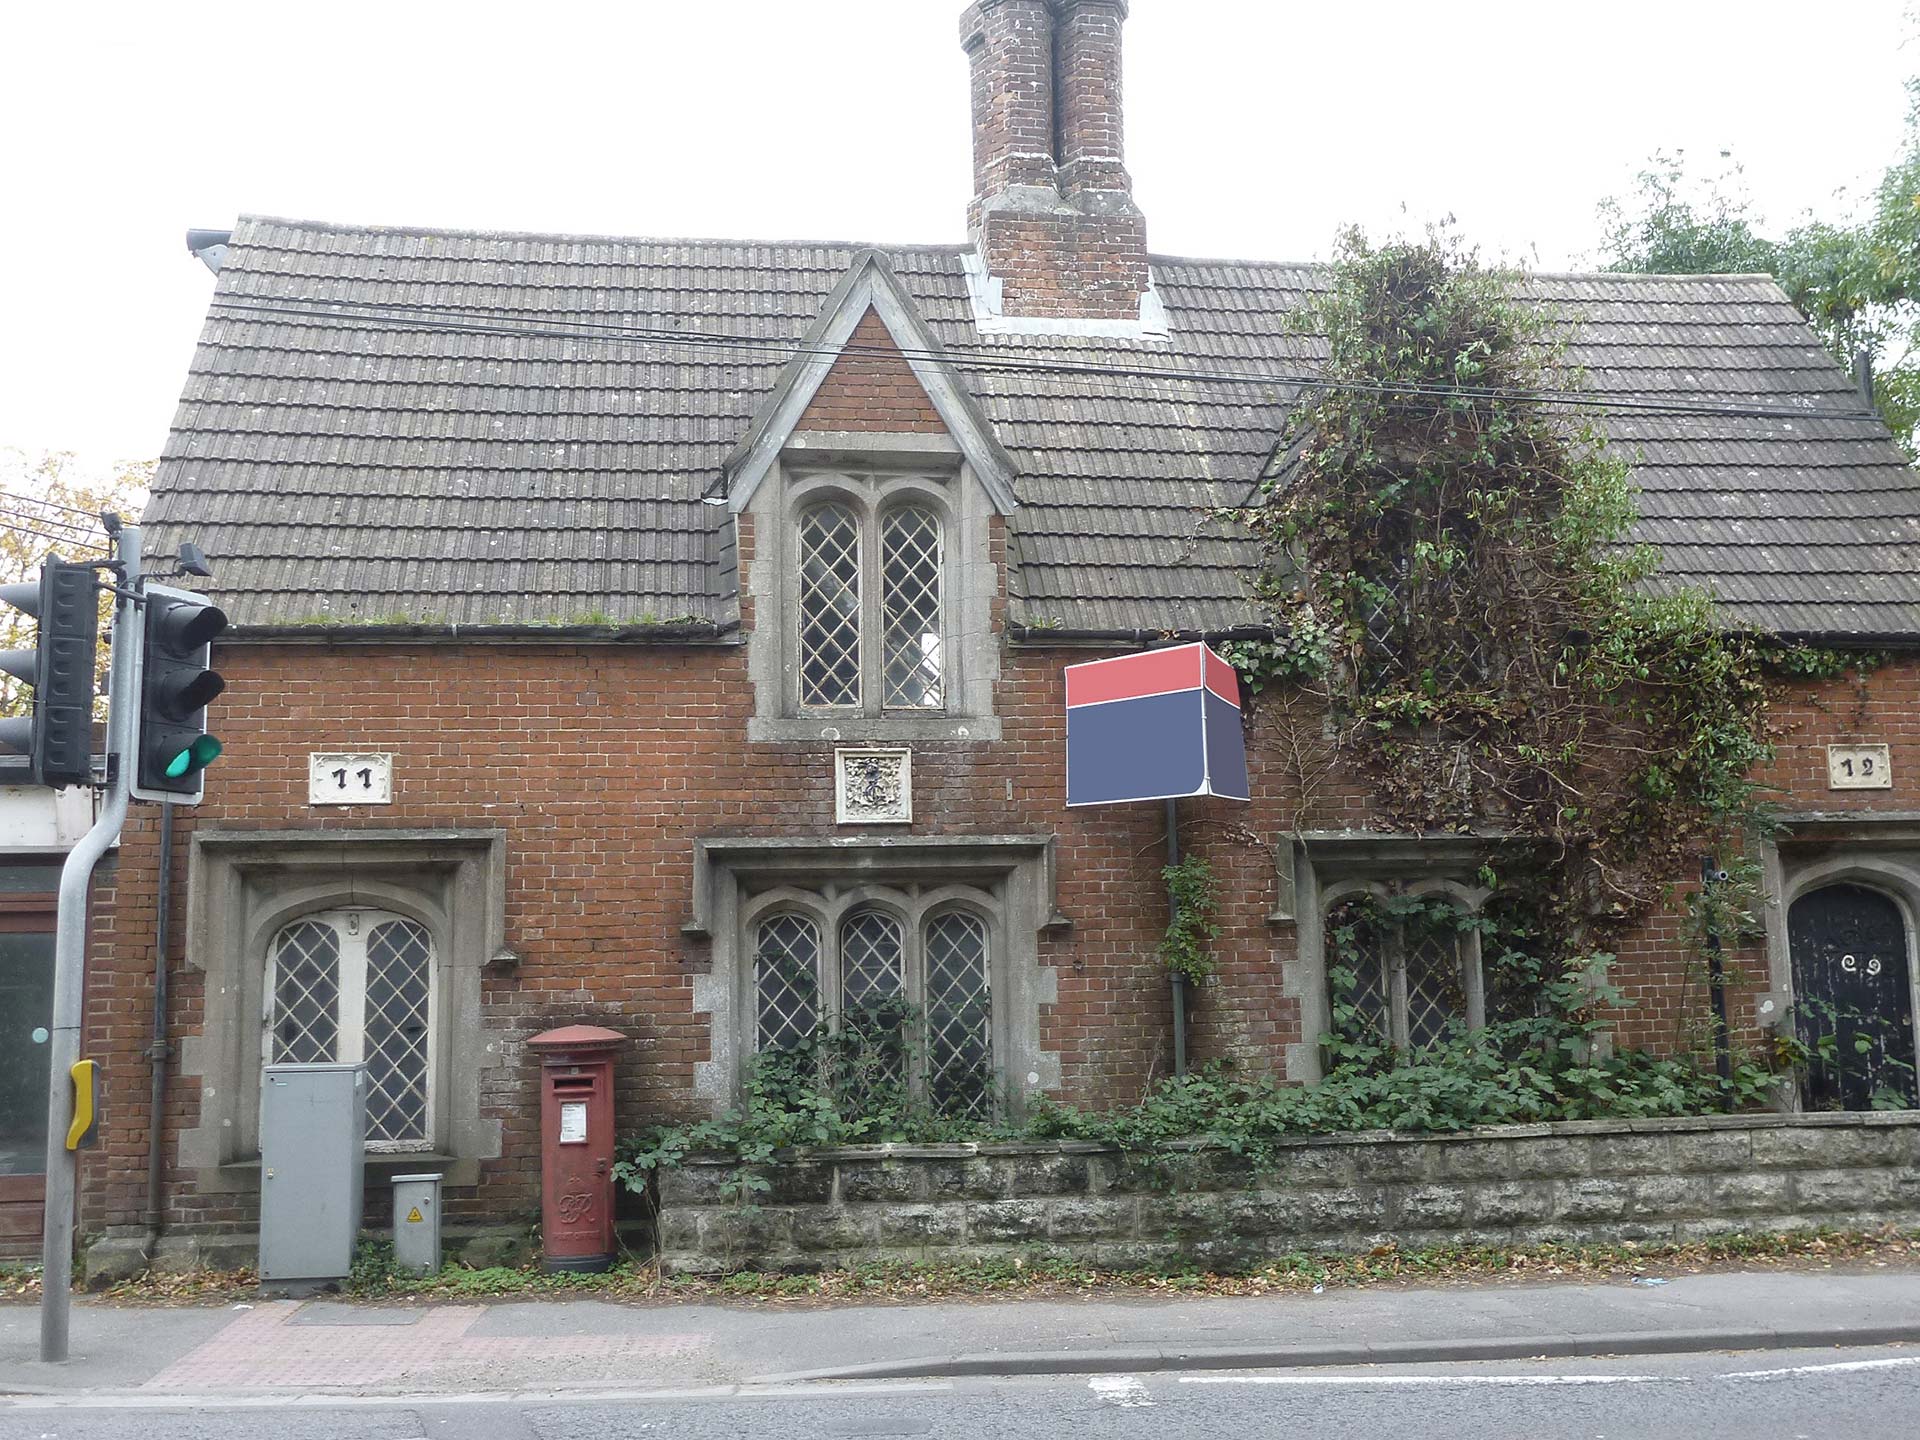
<point x="374" y="470"/>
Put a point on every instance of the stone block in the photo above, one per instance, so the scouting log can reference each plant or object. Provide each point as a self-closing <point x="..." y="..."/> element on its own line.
<point x="1108" y="1218"/>
<point x="1263" y="1213"/>
<point x="1137" y="1256"/>
<point x="1551" y="1159"/>
<point x="1711" y="1151"/>
<point x="1198" y="1215"/>
<point x="1513" y="1202"/>
<point x="1345" y="1211"/>
<point x="1669" y="1196"/>
<point x="802" y="1182"/>
<point x="889" y="1180"/>
<point x="677" y="1230"/>
<point x="1629" y="1154"/>
<point x="1820" y="1192"/>
<point x="113" y="1259"/>
<point x="1591" y="1199"/>
<point x="1904" y="1184"/>
<point x="918" y="1226"/>
<point x="972" y="1179"/>
<point x="1312" y="1165"/>
<point x="747" y="1234"/>
<point x="1475" y="1159"/>
<point x="1437" y="1206"/>
<point x="1393" y="1162"/>
<point x="1047" y="1175"/>
<point x="508" y="1247"/>
<point x="829" y="1227"/>
<point x="1006" y="1221"/>
<point x="1748" y="1195"/>
<point x="1821" y="1148"/>
<point x="694" y="1184"/>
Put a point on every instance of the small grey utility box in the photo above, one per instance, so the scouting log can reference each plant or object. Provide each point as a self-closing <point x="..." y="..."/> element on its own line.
<point x="416" y="1224"/>
<point x="313" y="1125"/>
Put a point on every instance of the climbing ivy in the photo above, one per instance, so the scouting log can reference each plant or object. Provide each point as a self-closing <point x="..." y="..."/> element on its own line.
<point x="1191" y="928"/>
<point x="1497" y="656"/>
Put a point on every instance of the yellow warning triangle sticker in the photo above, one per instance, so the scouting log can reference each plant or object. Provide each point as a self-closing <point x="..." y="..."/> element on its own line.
<point x="414" y="1217"/>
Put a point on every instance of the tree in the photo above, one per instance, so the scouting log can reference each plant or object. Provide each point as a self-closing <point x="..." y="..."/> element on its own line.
<point x="1856" y="279"/>
<point x="50" y="504"/>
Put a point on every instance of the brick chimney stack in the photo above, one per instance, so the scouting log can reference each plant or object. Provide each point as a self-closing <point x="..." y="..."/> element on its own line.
<point x="1053" y="218"/>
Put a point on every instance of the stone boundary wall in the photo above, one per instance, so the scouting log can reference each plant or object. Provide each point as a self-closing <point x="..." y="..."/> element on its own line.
<point x="1589" y="1181"/>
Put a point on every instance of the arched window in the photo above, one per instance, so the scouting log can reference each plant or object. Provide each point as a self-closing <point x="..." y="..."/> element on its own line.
<point x="910" y="560"/>
<point x="830" y="618"/>
<point x="348" y="986"/>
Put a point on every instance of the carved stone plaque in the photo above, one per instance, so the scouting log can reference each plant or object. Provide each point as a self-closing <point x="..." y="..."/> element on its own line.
<point x="873" y="787"/>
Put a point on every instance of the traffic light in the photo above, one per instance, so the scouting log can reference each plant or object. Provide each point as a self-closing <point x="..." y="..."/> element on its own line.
<point x="58" y="736"/>
<point x="171" y="744"/>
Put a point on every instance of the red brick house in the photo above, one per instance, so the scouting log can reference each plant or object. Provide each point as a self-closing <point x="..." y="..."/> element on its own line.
<point x="709" y="602"/>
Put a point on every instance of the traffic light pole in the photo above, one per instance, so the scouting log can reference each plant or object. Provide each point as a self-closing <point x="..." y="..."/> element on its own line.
<point x="69" y="959"/>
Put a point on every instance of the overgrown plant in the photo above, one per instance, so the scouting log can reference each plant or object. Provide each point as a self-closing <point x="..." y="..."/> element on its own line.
<point x="1192" y="892"/>
<point x="1447" y="515"/>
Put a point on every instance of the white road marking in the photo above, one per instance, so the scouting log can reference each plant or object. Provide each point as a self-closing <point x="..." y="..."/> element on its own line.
<point x="1126" y="1391"/>
<point x="1425" y="1379"/>
<point x="1836" y="1367"/>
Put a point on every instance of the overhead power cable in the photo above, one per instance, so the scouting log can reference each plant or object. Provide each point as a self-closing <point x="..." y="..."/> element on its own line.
<point x="506" y="322"/>
<point x="47" y="524"/>
<point x="92" y="516"/>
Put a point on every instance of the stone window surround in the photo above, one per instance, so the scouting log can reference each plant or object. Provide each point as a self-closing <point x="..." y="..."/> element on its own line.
<point x="1819" y="848"/>
<point x="244" y="886"/>
<point x="872" y="472"/>
<point x="1331" y="866"/>
<point x="738" y="881"/>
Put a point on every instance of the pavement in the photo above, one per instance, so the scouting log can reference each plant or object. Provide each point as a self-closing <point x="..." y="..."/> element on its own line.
<point x="291" y="1348"/>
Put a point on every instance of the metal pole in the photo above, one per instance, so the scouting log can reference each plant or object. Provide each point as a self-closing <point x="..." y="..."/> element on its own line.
<point x="1175" y="978"/>
<point x="157" y="1048"/>
<point x="69" y="963"/>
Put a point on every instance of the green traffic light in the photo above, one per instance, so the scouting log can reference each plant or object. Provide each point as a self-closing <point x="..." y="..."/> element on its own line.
<point x="197" y="756"/>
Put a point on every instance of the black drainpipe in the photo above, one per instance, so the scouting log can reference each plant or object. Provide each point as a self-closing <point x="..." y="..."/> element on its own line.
<point x="157" y="1051"/>
<point x="1711" y="876"/>
<point x="1174" y="977"/>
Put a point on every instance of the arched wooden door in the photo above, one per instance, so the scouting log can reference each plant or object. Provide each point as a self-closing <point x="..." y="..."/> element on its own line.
<point x="1852" y="985"/>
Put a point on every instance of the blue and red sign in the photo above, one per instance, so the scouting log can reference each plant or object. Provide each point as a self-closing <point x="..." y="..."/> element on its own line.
<point x="1160" y="725"/>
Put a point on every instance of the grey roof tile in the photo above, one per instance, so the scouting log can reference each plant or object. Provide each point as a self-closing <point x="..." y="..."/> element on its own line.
<point x="363" y="466"/>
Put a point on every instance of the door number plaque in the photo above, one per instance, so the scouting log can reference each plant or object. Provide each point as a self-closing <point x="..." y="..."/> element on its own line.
<point x="350" y="779"/>
<point x="1859" y="767"/>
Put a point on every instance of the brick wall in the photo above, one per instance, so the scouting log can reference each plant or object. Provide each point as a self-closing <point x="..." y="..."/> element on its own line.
<point x="872" y="388"/>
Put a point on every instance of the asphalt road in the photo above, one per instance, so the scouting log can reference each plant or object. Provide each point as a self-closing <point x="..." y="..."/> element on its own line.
<point x="1825" y="1395"/>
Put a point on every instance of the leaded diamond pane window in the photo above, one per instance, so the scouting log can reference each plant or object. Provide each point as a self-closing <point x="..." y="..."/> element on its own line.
<point x="399" y="980"/>
<point x="901" y="996"/>
<point x="353" y="986"/>
<point x="786" y="981"/>
<point x="829" y="606"/>
<point x="1402" y="979"/>
<point x="959" y="1016"/>
<point x="1436" y="985"/>
<point x="306" y="995"/>
<point x="910" y="559"/>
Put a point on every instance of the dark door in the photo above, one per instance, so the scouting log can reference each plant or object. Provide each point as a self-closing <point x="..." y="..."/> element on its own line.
<point x="26" y="1009"/>
<point x="1853" y="997"/>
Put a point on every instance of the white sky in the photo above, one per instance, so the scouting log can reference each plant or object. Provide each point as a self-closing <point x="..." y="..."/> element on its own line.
<point x="1255" y="128"/>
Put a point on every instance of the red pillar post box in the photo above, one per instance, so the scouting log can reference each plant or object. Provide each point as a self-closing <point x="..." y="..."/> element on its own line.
<point x="576" y="1146"/>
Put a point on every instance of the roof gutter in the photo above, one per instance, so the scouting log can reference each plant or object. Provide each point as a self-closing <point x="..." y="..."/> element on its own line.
<point x="1053" y="636"/>
<point x="703" y="632"/>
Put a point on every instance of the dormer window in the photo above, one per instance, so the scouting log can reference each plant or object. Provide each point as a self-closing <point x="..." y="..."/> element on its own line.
<point x="868" y="614"/>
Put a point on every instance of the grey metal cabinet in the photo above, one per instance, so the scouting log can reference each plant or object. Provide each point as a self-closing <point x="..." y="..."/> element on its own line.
<point x="313" y="1122"/>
